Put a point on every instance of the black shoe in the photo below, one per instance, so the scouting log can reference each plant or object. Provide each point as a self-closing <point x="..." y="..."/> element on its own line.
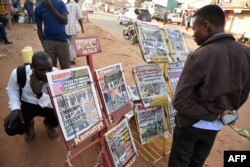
<point x="50" y="130"/>
<point x="7" y="42"/>
<point x="72" y="62"/>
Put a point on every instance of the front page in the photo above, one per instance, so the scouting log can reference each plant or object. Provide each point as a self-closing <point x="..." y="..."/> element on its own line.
<point x="121" y="144"/>
<point x="150" y="82"/>
<point x="113" y="87"/>
<point x="174" y="73"/>
<point x="152" y="42"/>
<point x="177" y="44"/>
<point x="150" y="121"/>
<point x="75" y="100"/>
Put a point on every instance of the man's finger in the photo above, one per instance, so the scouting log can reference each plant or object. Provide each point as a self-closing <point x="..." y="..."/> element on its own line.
<point x="21" y="117"/>
<point x="10" y="123"/>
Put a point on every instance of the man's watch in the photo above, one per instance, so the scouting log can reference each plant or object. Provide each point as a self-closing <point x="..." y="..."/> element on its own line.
<point x="39" y="95"/>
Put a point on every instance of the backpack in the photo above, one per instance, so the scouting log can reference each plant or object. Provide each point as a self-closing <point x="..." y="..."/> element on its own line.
<point x="21" y="78"/>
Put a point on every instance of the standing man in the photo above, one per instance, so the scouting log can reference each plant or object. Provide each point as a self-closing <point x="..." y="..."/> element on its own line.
<point x="165" y="17"/>
<point x="29" y="6"/>
<point x="32" y="100"/>
<point x="53" y="15"/>
<point x="73" y="26"/>
<point x="214" y="82"/>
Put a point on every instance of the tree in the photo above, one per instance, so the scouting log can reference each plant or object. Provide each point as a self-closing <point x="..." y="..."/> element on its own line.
<point x="139" y="2"/>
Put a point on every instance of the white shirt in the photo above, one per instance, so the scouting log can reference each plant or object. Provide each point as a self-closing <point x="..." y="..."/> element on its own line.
<point x="216" y="125"/>
<point x="73" y="26"/>
<point x="27" y="93"/>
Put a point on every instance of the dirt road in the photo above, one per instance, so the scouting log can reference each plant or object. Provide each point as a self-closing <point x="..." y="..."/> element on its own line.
<point x="44" y="152"/>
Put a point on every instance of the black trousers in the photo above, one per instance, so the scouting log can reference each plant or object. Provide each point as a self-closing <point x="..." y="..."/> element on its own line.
<point x="191" y="146"/>
<point x="29" y="112"/>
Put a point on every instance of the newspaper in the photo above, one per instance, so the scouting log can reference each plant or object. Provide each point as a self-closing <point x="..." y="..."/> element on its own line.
<point x="75" y="100"/>
<point x="86" y="46"/>
<point x="150" y="121"/>
<point x="177" y="44"/>
<point x="113" y="87"/>
<point x="171" y="112"/>
<point x="150" y="82"/>
<point x="133" y="93"/>
<point x="120" y="144"/>
<point x="174" y="73"/>
<point x="152" y="42"/>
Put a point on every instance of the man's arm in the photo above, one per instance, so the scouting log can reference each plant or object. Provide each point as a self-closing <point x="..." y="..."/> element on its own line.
<point x="185" y="100"/>
<point x="79" y="17"/>
<point x="40" y="31"/>
<point x="62" y="18"/>
<point x="14" y="100"/>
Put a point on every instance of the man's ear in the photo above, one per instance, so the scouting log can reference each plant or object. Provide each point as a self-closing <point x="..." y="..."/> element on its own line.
<point x="206" y="25"/>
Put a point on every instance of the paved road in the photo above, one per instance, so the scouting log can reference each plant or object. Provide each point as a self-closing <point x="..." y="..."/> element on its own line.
<point x="109" y="23"/>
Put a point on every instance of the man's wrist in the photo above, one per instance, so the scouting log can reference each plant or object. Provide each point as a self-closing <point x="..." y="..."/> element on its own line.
<point x="38" y="95"/>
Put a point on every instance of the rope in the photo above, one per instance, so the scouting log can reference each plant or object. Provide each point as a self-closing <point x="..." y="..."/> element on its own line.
<point x="68" y="159"/>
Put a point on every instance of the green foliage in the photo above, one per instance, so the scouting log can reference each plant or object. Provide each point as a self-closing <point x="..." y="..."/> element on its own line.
<point x="139" y="2"/>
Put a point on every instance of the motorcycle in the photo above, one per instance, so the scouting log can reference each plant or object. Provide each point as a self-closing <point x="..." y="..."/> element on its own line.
<point x="129" y="33"/>
<point x="129" y="30"/>
<point x="245" y="38"/>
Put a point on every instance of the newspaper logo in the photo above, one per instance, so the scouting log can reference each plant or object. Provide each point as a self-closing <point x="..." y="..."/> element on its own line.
<point x="236" y="158"/>
<point x="89" y="133"/>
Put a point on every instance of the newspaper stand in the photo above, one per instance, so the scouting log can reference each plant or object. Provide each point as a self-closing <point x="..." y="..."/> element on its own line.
<point x="86" y="46"/>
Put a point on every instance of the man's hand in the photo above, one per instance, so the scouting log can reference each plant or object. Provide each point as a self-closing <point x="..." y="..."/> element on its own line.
<point x="48" y="4"/>
<point x="226" y="112"/>
<point x="36" y="85"/>
<point x="12" y="116"/>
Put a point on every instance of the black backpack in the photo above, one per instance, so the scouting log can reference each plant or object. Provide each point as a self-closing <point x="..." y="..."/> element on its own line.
<point x="21" y="78"/>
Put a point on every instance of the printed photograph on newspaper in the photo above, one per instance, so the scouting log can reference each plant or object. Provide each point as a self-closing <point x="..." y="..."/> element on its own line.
<point x="121" y="144"/>
<point x="150" y="82"/>
<point x="150" y="121"/>
<point x="133" y="93"/>
<point x="152" y="42"/>
<point x="75" y="100"/>
<point x="177" y="44"/>
<point x="113" y="86"/>
<point x="174" y="73"/>
<point x="86" y="46"/>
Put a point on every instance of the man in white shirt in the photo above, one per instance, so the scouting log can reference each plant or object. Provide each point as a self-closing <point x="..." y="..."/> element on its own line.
<point x="34" y="100"/>
<point x="73" y="26"/>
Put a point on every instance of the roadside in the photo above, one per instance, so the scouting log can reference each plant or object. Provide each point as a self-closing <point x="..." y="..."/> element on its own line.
<point x="44" y="152"/>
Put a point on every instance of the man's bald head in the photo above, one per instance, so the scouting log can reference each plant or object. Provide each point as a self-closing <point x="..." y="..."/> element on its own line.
<point x="40" y="58"/>
<point x="41" y="64"/>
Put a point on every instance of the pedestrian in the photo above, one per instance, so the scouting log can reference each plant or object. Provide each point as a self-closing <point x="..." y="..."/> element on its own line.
<point x="29" y="6"/>
<point x="73" y="27"/>
<point x="165" y="17"/>
<point x="3" y="35"/>
<point x="214" y="82"/>
<point x="188" y="20"/>
<point x="32" y="101"/>
<point x="52" y="14"/>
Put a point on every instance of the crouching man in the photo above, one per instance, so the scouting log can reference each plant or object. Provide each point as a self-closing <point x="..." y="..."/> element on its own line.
<point x="31" y="100"/>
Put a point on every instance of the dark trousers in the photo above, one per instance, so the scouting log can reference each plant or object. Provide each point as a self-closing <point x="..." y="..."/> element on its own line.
<point x="29" y="112"/>
<point x="191" y="146"/>
<point x="3" y="36"/>
<point x="4" y="21"/>
<point x="58" y="50"/>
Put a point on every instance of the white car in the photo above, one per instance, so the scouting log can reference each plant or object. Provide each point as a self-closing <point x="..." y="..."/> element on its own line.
<point x="127" y="17"/>
<point x="88" y="8"/>
<point x="174" y="18"/>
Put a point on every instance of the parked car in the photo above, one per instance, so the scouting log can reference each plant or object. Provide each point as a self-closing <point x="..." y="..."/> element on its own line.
<point x="174" y="18"/>
<point x="129" y="15"/>
<point x="88" y="8"/>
